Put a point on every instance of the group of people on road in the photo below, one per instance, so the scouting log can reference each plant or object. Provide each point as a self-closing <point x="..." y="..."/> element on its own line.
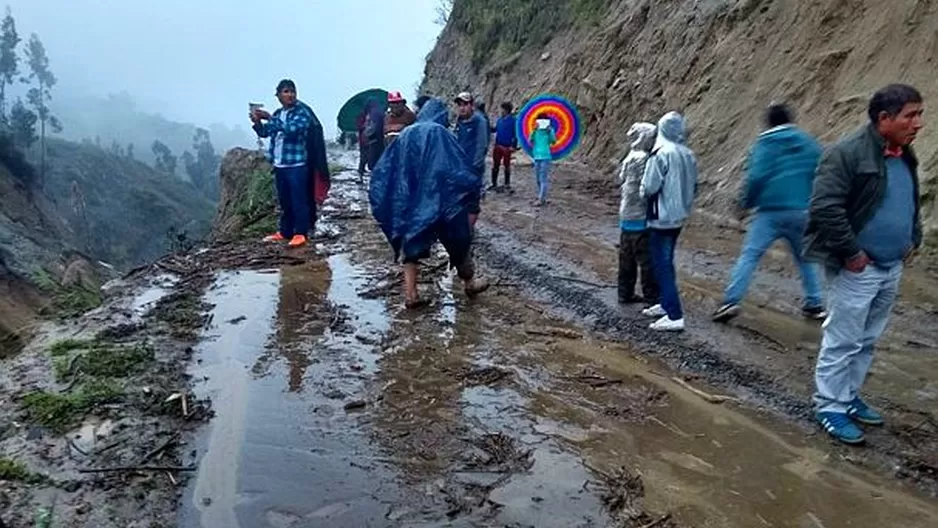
<point x="851" y="211"/>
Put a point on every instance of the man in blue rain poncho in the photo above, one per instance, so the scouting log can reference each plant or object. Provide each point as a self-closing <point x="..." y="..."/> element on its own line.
<point x="420" y="193"/>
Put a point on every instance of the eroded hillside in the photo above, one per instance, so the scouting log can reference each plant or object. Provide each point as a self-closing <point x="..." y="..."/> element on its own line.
<point x="720" y="61"/>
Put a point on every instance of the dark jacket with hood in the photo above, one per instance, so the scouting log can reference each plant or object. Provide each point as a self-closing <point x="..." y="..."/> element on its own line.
<point x="421" y="183"/>
<point x="849" y="187"/>
<point x="473" y="135"/>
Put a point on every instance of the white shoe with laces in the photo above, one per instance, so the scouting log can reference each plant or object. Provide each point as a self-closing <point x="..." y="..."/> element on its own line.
<point x="666" y="324"/>
<point x="654" y="311"/>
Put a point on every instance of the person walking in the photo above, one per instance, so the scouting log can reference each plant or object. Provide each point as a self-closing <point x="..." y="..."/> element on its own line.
<point x="399" y="117"/>
<point x="288" y="128"/>
<point x="781" y="166"/>
<point x="506" y="143"/>
<point x="633" y="238"/>
<point x="863" y="226"/>
<point x="472" y="133"/>
<point x="542" y="139"/>
<point x="670" y="185"/>
<point x="418" y="197"/>
<point x="374" y="132"/>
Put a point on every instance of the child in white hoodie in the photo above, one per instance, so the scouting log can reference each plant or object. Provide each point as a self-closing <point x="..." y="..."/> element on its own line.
<point x="634" y="256"/>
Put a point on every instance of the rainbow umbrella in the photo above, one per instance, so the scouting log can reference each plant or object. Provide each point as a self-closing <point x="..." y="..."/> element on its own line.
<point x="564" y="119"/>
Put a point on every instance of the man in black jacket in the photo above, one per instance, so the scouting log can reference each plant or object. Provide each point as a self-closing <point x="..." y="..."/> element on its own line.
<point x="863" y="226"/>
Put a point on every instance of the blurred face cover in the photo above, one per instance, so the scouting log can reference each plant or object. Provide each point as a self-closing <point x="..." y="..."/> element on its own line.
<point x="464" y="109"/>
<point x="902" y="129"/>
<point x="287" y="97"/>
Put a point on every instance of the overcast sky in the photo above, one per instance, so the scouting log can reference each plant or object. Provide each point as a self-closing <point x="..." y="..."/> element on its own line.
<point x="202" y="61"/>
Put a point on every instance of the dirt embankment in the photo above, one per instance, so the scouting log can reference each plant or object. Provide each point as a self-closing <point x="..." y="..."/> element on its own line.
<point x="719" y="61"/>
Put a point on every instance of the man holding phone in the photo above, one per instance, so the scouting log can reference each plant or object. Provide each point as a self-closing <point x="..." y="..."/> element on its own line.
<point x="287" y="129"/>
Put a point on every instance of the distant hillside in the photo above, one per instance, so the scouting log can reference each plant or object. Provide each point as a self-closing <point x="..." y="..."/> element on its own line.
<point x="119" y="210"/>
<point x="116" y="119"/>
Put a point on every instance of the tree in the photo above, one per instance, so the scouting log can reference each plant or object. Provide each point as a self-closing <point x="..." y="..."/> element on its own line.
<point x="203" y="165"/>
<point x="40" y="95"/>
<point x="130" y="151"/>
<point x="117" y="149"/>
<point x="23" y="125"/>
<point x="9" y="61"/>
<point x="443" y="10"/>
<point x="165" y="161"/>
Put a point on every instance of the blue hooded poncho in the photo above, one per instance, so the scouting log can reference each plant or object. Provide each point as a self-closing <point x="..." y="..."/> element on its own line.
<point x="420" y="186"/>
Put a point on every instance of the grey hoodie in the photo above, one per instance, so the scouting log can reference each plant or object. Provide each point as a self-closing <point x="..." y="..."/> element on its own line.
<point x="633" y="205"/>
<point x="670" y="180"/>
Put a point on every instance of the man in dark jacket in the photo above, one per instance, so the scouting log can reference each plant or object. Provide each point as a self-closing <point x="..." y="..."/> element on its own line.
<point x="506" y="142"/>
<point x="781" y="171"/>
<point x="472" y="132"/>
<point x="863" y="226"/>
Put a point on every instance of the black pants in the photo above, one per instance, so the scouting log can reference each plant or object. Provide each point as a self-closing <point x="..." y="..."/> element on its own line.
<point x="362" y="158"/>
<point x="635" y="258"/>
<point x="375" y="150"/>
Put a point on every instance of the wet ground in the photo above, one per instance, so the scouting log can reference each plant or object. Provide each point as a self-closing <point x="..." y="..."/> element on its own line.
<point x="538" y="404"/>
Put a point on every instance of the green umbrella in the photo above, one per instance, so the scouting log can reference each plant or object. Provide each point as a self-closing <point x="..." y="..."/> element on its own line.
<point x="352" y="108"/>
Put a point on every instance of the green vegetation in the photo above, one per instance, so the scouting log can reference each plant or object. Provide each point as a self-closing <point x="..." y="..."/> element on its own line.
<point x="67" y="301"/>
<point x="61" y="411"/>
<point x="258" y="207"/>
<point x="13" y="471"/>
<point x="98" y="359"/>
<point x="507" y="26"/>
<point x="64" y="346"/>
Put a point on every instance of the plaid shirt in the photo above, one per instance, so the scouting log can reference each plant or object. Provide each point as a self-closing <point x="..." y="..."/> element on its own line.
<point x="293" y="133"/>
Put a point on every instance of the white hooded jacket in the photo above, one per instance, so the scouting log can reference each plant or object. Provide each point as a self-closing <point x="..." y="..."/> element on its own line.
<point x="670" y="179"/>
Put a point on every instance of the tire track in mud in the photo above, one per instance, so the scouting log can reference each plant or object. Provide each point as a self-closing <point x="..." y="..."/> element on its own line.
<point x="537" y="273"/>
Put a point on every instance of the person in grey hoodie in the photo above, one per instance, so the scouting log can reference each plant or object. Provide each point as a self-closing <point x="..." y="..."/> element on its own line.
<point x="633" y="240"/>
<point x="670" y="185"/>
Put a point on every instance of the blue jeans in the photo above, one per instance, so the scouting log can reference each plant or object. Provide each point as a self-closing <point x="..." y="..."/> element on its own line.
<point x="860" y="305"/>
<point x="542" y="173"/>
<point x="663" y="243"/>
<point x="294" y="196"/>
<point x="766" y="228"/>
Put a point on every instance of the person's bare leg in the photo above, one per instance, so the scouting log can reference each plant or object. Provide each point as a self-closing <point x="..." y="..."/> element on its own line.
<point x="411" y="298"/>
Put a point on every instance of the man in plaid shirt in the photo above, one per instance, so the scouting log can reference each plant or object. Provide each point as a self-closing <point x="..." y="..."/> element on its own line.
<point x="287" y="128"/>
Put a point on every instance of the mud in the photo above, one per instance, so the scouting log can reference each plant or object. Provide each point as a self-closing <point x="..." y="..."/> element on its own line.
<point x="540" y="403"/>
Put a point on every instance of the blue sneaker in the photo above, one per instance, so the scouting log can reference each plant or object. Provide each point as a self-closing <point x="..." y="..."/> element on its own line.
<point x="863" y="413"/>
<point x="841" y="427"/>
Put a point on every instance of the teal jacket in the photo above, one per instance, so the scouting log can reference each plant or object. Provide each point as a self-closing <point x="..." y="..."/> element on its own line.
<point x="782" y="164"/>
<point x="541" y="140"/>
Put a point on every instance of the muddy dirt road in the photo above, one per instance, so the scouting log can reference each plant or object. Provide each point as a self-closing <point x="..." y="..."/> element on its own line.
<point x="310" y="398"/>
<point x="538" y="404"/>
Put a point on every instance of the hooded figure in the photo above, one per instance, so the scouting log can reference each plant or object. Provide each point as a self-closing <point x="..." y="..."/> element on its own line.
<point x="418" y="195"/>
<point x="670" y="185"/>
<point x="633" y="239"/>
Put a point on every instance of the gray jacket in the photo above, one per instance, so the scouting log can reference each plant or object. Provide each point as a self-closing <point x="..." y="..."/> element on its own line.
<point x="633" y="205"/>
<point x="670" y="180"/>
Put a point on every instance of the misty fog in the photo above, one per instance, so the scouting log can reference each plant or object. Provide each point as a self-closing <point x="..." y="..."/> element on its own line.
<point x="202" y="62"/>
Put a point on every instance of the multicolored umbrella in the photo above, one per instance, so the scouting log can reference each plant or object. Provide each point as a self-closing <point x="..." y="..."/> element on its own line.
<point x="564" y="119"/>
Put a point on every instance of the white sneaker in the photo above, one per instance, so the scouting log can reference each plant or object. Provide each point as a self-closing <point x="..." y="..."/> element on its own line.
<point x="666" y="324"/>
<point x="654" y="311"/>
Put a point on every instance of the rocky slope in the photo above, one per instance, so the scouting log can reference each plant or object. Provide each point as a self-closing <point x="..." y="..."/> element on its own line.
<point x="719" y="61"/>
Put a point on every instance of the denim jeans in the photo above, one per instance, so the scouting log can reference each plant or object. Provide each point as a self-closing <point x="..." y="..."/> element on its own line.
<point x="860" y="305"/>
<point x="663" y="243"/>
<point x="542" y="173"/>
<point x="293" y="193"/>
<point x="766" y="228"/>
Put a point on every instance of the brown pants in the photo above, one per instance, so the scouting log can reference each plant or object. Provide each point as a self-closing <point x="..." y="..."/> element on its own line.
<point x="634" y="257"/>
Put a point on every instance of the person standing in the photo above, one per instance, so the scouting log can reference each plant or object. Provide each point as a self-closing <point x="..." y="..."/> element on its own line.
<point x="506" y="143"/>
<point x="362" y="143"/>
<point x="542" y="139"/>
<point x="374" y="132"/>
<point x="399" y="117"/>
<point x="670" y="185"/>
<point x="633" y="240"/>
<point x="863" y="225"/>
<point x="288" y="128"/>
<point x="472" y="133"/>
<point x="781" y="166"/>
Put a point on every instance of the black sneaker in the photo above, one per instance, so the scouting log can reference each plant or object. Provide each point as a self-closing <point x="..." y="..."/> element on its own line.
<point x="816" y="313"/>
<point x="509" y="190"/>
<point x="632" y="299"/>
<point x="726" y="313"/>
